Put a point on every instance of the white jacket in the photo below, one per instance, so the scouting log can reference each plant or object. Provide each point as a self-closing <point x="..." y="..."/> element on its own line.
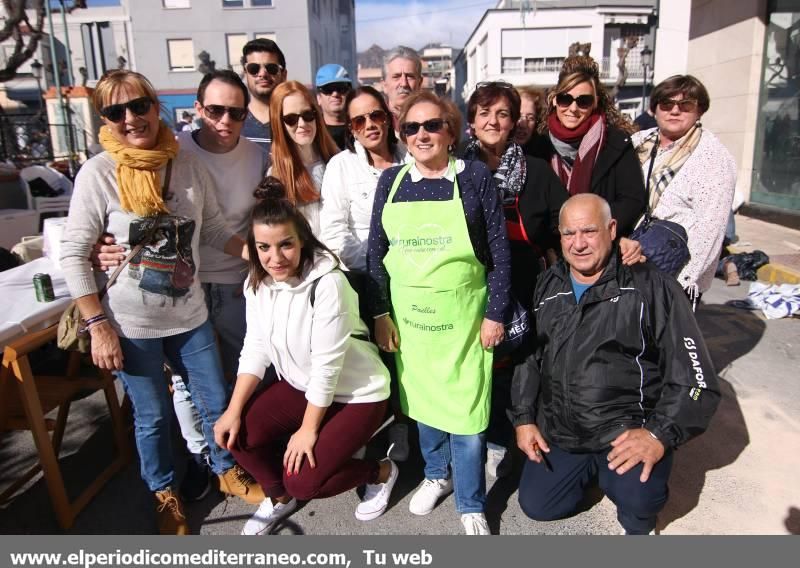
<point x="348" y="190"/>
<point x="699" y="198"/>
<point x="313" y="349"/>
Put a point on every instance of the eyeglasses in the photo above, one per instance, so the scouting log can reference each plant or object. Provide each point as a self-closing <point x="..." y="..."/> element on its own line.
<point x="686" y="105"/>
<point x="293" y="118"/>
<point x="254" y="68"/>
<point x="216" y="112"/>
<point x="565" y="100"/>
<point x="431" y="126"/>
<point x="528" y="117"/>
<point x="330" y="88"/>
<point x="359" y="122"/>
<point x="116" y="113"/>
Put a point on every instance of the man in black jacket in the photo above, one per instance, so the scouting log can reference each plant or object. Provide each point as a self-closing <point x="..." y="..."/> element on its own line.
<point x="617" y="377"/>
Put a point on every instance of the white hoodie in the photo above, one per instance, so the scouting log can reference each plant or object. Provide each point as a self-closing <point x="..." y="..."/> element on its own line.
<point x="313" y="349"/>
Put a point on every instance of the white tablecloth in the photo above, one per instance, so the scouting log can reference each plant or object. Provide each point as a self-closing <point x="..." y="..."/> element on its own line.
<point x="20" y="313"/>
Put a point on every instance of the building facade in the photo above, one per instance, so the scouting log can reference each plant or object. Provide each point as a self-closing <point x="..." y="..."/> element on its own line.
<point x="525" y="43"/>
<point x="174" y="37"/>
<point x="747" y="53"/>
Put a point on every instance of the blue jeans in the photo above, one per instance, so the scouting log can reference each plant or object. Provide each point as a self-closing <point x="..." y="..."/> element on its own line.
<point x="226" y="309"/>
<point x="465" y="455"/>
<point x="193" y="353"/>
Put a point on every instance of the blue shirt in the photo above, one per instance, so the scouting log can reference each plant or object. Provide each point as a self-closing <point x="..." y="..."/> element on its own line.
<point x="258" y="132"/>
<point x="577" y="288"/>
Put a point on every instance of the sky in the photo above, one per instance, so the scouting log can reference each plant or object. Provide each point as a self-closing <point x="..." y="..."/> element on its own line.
<point x="417" y="22"/>
<point x="408" y="22"/>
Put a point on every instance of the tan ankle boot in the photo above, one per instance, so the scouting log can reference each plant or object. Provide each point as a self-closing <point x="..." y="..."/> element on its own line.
<point x="238" y="482"/>
<point x="171" y="519"/>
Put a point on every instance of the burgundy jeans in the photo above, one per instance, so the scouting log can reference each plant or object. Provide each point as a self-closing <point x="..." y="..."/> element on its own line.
<point x="275" y="413"/>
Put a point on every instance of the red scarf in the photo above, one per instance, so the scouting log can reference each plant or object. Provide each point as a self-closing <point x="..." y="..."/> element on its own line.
<point x="591" y="134"/>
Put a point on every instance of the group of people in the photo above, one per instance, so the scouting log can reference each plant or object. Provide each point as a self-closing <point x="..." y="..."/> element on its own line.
<point x="310" y="266"/>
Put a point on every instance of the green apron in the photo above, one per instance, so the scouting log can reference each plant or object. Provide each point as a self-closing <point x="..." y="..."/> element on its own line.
<point x="439" y="296"/>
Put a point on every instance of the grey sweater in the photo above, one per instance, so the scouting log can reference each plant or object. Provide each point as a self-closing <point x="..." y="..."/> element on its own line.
<point x="158" y="294"/>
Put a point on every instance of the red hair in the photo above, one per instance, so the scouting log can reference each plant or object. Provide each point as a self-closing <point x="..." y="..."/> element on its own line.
<point x="287" y="165"/>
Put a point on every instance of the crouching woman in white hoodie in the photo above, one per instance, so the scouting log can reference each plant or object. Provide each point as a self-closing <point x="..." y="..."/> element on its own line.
<point x="302" y="317"/>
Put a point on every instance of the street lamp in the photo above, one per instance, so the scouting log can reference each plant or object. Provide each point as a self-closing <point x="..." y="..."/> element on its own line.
<point x="36" y="71"/>
<point x="647" y="55"/>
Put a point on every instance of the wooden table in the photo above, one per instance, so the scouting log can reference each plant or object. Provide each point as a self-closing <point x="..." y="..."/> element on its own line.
<point x="25" y="398"/>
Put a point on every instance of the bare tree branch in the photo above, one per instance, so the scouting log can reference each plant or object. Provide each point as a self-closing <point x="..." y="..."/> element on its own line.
<point x="18" y="26"/>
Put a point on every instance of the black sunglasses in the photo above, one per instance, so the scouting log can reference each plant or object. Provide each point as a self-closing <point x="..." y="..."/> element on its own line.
<point x="216" y="112"/>
<point x="293" y="118"/>
<point x="329" y="89"/>
<point x="431" y="126"/>
<point x="116" y="113"/>
<point x="565" y="100"/>
<point x="359" y="122"/>
<point x="686" y="105"/>
<point x="495" y="84"/>
<point x="254" y="68"/>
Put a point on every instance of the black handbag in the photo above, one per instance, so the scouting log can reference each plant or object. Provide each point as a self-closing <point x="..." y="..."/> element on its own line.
<point x="517" y="326"/>
<point x="664" y="243"/>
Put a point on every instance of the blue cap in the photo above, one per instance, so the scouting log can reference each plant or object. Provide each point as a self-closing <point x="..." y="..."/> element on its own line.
<point x="332" y="73"/>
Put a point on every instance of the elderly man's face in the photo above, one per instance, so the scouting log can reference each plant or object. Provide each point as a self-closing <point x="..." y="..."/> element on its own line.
<point x="586" y="239"/>
<point x="401" y="80"/>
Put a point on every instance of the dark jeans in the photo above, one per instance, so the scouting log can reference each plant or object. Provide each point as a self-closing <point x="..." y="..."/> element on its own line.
<point x="275" y="413"/>
<point x="500" y="431"/>
<point x="546" y="495"/>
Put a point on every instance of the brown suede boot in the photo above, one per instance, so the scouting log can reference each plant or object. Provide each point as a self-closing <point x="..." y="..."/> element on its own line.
<point x="169" y="508"/>
<point x="238" y="482"/>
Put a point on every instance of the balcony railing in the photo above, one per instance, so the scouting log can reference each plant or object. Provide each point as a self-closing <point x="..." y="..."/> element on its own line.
<point x="633" y="63"/>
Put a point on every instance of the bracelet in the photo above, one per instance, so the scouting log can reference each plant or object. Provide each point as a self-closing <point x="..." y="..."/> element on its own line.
<point x="653" y="435"/>
<point x="89" y="321"/>
<point x="93" y="321"/>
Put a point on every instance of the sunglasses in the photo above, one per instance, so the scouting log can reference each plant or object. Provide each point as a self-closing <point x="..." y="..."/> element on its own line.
<point x="254" y="68"/>
<point x="341" y="88"/>
<point x="359" y="122"/>
<point x="686" y="105"/>
<point x="494" y="84"/>
<point x="293" y="118"/>
<point x="431" y="126"/>
<point x="116" y="113"/>
<point x="565" y="100"/>
<point x="216" y="112"/>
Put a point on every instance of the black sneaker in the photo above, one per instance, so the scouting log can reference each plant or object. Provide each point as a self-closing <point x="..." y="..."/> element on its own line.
<point x="197" y="479"/>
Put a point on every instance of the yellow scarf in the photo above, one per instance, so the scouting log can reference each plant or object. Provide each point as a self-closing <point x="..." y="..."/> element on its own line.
<point x="137" y="170"/>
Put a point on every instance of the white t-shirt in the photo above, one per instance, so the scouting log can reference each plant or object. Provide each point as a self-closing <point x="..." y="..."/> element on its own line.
<point x="236" y="174"/>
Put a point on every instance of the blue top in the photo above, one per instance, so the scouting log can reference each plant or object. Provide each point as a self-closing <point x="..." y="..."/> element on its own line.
<point x="577" y="288"/>
<point x="258" y="132"/>
<point x="485" y="224"/>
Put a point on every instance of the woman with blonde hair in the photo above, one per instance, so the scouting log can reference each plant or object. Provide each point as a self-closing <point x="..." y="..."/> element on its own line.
<point x="159" y="202"/>
<point x="587" y="142"/>
<point x="301" y="148"/>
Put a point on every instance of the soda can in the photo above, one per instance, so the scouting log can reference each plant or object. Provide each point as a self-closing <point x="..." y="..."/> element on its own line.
<point x="44" y="287"/>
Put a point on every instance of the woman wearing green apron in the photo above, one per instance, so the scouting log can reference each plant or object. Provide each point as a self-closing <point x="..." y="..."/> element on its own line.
<point x="440" y="267"/>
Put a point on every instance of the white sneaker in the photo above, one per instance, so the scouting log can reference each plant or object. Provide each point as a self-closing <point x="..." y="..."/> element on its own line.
<point x="428" y="494"/>
<point x="475" y="524"/>
<point x="267" y="516"/>
<point x="398" y="442"/>
<point x="376" y="496"/>
<point x="498" y="461"/>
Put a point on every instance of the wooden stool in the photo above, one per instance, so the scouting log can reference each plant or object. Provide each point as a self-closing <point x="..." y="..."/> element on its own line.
<point x="24" y="408"/>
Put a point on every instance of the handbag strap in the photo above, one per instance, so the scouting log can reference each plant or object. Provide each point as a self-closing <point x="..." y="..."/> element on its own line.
<point x="648" y="214"/>
<point x="148" y="237"/>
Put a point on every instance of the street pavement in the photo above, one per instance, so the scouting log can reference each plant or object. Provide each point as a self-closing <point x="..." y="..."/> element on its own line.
<point x="738" y="478"/>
